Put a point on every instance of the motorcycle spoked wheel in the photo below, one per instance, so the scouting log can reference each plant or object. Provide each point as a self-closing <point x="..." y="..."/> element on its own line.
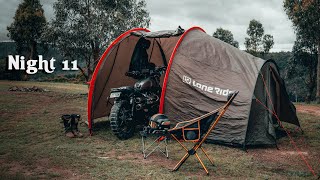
<point x="118" y="121"/>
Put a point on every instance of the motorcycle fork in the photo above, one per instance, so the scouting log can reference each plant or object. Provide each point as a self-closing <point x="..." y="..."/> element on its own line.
<point x="133" y="108"/>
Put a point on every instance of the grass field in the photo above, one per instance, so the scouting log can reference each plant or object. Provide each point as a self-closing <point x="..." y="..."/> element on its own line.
<point x="33" y="146"/>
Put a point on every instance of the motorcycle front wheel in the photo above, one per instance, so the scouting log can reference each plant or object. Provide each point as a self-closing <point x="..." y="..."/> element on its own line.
<point x="122" y="128"/>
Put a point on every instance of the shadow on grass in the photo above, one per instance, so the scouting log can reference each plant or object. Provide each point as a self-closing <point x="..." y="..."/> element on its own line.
<point x="101" y="126"/>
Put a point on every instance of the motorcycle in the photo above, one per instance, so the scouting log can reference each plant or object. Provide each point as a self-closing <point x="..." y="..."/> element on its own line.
<point x="135" y="105"/>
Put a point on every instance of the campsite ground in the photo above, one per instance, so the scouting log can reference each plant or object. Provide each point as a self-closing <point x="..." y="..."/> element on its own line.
<point x="32" y="145"/>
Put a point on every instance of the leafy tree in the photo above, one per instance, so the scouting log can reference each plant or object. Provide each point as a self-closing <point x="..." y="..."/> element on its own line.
<point x="304" y="63"/>
<point x="27" y="28"/>
<point x="82" y="28"/>
<point x="267" y="43"/>
<point x="305" y="15"/>
<point x="257" y="43"/>
<point x="255" y="32"/>
<point x="293" y="74"/>
<point x="225" y="36"/>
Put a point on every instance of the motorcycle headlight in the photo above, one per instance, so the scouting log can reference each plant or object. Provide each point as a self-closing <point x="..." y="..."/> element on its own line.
<point x="137" y="86"/>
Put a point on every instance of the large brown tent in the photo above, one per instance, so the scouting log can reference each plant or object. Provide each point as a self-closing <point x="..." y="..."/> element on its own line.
<point x="201" y="72"/>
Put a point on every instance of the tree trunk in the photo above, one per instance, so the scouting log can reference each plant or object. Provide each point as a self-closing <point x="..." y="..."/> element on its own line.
<point x="95" y="53"/>
<point x="32" y="55"/>
<point x="310" y="84"/>
<point x="89" y="72"/>
<point x="84" y="74"/>
<point x="96" y="57"/>
<point x="318" y="75"/>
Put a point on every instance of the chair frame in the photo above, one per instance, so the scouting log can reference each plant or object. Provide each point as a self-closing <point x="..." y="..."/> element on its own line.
<point x="154" y="146"/>
<point x="198" y="142"/>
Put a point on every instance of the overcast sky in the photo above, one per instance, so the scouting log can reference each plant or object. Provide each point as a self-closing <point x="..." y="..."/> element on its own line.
<point x="233" y="15"/>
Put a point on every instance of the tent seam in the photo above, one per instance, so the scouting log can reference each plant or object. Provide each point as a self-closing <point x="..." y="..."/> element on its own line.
<point x="248" y="118"/>
<point x="166" y="77"/>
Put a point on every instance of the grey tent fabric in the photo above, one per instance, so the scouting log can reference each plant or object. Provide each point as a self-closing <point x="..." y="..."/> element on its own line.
<point x="211" y="62"/>
<point x="202" y="62"/>
<point x="160" y="34"/>
<point x="202" y="72"/>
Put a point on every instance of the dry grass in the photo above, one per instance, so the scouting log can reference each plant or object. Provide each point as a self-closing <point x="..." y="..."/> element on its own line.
<point x="32" y="145"/>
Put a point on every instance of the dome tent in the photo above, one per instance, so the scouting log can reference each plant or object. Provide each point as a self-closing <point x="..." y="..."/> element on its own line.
<point x="201" y="72"/>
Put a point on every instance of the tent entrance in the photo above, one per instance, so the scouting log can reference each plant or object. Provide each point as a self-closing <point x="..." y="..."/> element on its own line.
<point x="141" y="59"/>
<point x="262" y="124"/>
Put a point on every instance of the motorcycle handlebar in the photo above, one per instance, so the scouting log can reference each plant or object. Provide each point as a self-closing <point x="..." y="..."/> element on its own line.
<point x="132" y="73"/>
<point x="161" y="69"/>
<point x="158" y="70"/>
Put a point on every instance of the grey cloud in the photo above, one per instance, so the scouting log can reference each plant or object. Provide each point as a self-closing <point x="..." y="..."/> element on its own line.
<point x="234" y="15"/>
<point x="211" y="14"/>
<point x="7" y="11"/>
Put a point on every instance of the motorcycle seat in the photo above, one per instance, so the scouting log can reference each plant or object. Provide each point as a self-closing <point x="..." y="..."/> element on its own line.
<point x="121" y="89"/>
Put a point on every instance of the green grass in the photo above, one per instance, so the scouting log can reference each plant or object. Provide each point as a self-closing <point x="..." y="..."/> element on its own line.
<point x="33" y="146"/>
<point x="313" y="103"/>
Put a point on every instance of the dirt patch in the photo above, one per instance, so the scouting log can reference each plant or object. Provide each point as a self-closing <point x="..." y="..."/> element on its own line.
<point x="294" y="153"/>
<point x="42" y="170"/>
<point x="269" y="155"/>
<point x="27" y="89"/>
<point x="156" y="158"/>
<point x="275" y="155"/>
<point x="308" y="109"/>
<point x="286" y="159"/>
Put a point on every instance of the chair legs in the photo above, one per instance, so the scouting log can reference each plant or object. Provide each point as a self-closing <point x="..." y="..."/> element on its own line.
<point x="155" y="146"/>
<point x="192" y="152"/>
<point x="186" y="156"/>
<point x="204" y="167"/>
<point x="183" y="159"/>
<point x="204" y="152"/>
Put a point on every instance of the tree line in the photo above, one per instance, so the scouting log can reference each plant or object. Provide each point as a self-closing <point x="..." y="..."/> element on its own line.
<point x="302" y="71"/>
<point x="257" y="43"/>
<point x="81" y="29"/>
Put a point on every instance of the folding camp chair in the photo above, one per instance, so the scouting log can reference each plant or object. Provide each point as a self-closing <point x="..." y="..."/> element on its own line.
<point x="197" y="131"/>
<point x="158" y="127"/>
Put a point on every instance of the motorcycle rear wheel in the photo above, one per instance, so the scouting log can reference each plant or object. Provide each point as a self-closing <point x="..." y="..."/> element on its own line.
<point x="120" y="126"/>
